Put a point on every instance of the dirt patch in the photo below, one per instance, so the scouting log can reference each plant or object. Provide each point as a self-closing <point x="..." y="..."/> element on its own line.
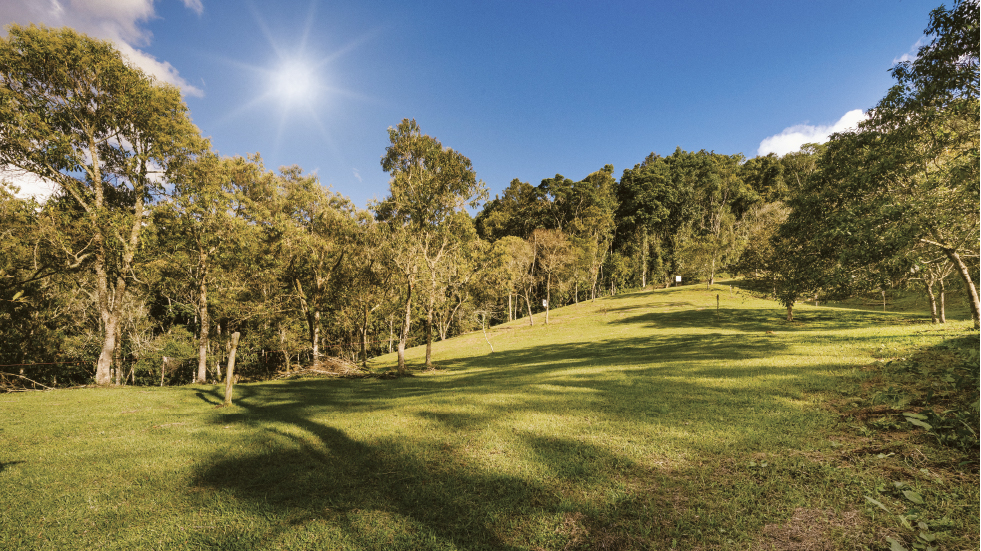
<point x="584" y="535"/>
<point x="573" y="527"/>
<point x="328" y="367"/>
<point x="815" y="530"/>
<point x="337" y="368"/>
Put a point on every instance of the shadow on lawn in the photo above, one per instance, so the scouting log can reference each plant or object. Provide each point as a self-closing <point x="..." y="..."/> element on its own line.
<point x="344" y="482"/>
<point x="428" y="494"/>
<point x="410" y="492"/>
<point x="425" y="493"/>
<point x="761" y="320"/>
<point x="413" y="494"/>
<point x="5" y="464"/>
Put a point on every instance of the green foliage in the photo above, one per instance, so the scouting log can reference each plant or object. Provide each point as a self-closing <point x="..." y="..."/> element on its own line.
<point x="229" y="246"/>
<point x="73" y="112"/>
<point x="906" y="181"/>
<point x="948" y="386"/>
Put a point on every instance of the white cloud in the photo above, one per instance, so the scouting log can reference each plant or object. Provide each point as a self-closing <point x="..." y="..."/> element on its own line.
<point x="194" y="5"/>
<point x="29" y="184"/>
<point x="120" y="21"/>
<point x="795" y="136"/>
<point x="911" y="54"/>
<point x="357" y="174"/>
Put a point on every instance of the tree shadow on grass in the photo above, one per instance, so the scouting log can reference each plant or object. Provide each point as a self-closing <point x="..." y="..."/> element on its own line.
<point x="761" y="320"/>
<point x="427" y="494"/>
<point x="5" y="464"/>
<point x="210" y="397"/>
<point x="406" y="493"/>
<point x="648" y="354"/>
<point x="335" y="478"/>
<point x="429" y="490"/>
<point x="424" y="490"/>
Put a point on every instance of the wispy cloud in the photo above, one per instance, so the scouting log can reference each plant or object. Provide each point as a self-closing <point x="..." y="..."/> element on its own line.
<point x="357" y="174"/>
<point x="194" y="5"/>
<point x="911" y="54"/>
<point x="795" y="136"/>
<point x="120" y="21"/>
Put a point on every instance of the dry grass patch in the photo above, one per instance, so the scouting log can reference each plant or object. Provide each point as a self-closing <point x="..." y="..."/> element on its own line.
<point x="816" y="530"/>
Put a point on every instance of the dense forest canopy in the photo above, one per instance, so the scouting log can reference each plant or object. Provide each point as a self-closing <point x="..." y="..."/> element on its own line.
<point x="155" y="247"/>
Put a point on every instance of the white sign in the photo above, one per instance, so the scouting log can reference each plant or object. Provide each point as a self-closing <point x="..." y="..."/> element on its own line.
<point x="544" y="303"/>
<point x="677" y="279"/>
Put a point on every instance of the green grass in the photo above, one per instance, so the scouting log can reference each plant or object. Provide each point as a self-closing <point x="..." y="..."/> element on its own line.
<point x="646" y="420"/>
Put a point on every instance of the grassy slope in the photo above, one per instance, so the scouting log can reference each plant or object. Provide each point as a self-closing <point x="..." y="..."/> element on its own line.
<point x="642" y="420"/>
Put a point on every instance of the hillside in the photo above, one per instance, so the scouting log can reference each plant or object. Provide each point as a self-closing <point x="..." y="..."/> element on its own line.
<point x="646" y="420"/>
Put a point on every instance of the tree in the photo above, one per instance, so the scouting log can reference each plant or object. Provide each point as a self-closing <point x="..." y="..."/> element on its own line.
<point x="799" y="166"/>
<point x="469" y="257"/>
<point x="73" y="112"/>
<point x="41" y="264"/>
<point x="928" y="124"/>
<point x="518" y="212"/>
<point x="518" y="259"/>
<point x="934" y="271"/>
<point x="757" y="228"/>
<point x="201" y="224"/>
<point x="554" y="254"/>
<point x="593" y="226"/>
<point x="366" y="276"/>
<point x="314" y="230"/>
<point x="765" y="176"/>
<point x="713" y="242"/>
<point x="647" y="197"/>
<point x="428" y="185"/>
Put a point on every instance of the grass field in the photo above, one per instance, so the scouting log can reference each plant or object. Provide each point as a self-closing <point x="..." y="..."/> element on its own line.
<point x="648" y="420"/>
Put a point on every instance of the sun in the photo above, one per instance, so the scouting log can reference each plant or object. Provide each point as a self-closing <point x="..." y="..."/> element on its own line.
<point x="295" y="83"/>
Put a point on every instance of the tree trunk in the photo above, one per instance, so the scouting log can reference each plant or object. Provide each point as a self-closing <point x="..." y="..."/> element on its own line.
<point x="103" y="369"/>
<point x="111" y="307"/>
<point x="595" y="282"/>
<point x="548" y="295"/>
<point x="364" y="339"/>
<point x="510" y="310"/>
<point x="218" y="352"/>
<point x="643" y="260"/>
<point x="429" y="338"/>
<point x="110" y="314"/>
<point x="531" y="320"/>
<point x="315" y="337"/>
<point x="205" y="327"/>
<point x="405" y="327"/>
<point x="230" y="370"/>
<point x="790" y="312"/>
<point x="313" y="322"/>
<point x="943" y="307"/>
<point x="483" y="329"/>
<point x="282" y="345"/>
<point x="103" y="365"/>
<point x="117" y="358"/>
<point x="928" y="283"/>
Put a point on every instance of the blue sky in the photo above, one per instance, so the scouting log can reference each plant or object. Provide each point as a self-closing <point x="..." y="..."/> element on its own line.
<point x="524" y="89"/>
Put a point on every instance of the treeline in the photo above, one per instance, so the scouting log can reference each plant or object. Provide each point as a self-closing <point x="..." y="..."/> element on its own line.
<point x="154" y="247"/>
